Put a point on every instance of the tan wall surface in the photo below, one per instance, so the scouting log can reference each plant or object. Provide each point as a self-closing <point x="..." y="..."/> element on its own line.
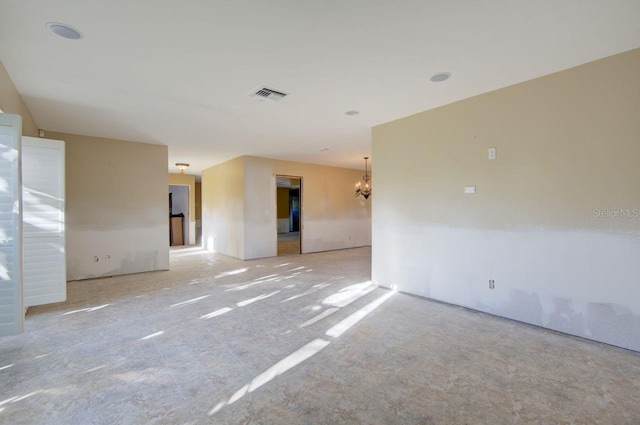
<point x="283" y="202"/>
<point x="11" y="103"/>
<point x="331" y="217"/>
<point x="223" y="208"/>
<point x="556" y="217"/>
<point x="117" y="206"/>
<point x="239" y="207"/>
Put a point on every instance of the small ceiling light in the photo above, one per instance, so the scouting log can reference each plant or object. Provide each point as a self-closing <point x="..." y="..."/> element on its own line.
<point x="352" y="113"/>
<point x="364" y="190"/>
<point x="182" y="166"/>
<point x="441" y="76"/>
<point x="64" y="30"/>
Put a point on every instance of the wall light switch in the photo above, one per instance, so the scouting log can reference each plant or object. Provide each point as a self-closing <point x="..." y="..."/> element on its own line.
<point x="492" y="153"/>
<point x="470" y="189"/>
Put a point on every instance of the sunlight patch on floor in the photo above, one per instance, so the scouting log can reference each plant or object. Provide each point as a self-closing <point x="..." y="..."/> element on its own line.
<point x="230" y="273"/>
<point x="216" y="313"/>
<point x="151" y="336"/>
<point x="87" y="310"/>
<point x="191" y="301"/>
<point x="319" y="317"/>
<point x="347" y="295"/>
<point x="351" y="320"/>
<point x="256" y="299"/>
<point x="352" y="292"/>
<point x="95" y="369"/>
<point x="279" y="368"/>
<point x="294" y="297"/>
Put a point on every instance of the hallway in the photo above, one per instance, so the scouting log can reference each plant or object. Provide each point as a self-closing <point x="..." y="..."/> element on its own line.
<point x="300" y="339"/>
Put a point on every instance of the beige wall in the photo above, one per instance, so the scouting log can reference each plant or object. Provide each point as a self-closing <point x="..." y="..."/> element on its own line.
<point x="223" y="208"/>
<point x="283" y="202"/>
<point x="116" y="206"/>
<point x="239" y="203"/>
<point x="331" y="216"/>
<point x="11" y="103"/>
<point x="544" y="223"/>
<point x="239" y="207"/>
<point x="188" y="180"/>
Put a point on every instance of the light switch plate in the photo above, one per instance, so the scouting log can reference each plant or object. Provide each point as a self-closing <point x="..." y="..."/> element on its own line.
<point x="492" y="153"/>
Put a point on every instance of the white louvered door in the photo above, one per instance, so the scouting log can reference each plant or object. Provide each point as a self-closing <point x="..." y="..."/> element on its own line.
<point x="44" y="262"/>
<point x="11" y="309"/>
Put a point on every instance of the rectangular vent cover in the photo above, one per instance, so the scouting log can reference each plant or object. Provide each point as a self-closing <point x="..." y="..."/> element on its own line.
<point x="268" y="94"/>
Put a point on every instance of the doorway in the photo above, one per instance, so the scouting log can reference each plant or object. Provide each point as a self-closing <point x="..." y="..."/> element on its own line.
<point x="179" y="232"/>
<point x="289" y="214"/>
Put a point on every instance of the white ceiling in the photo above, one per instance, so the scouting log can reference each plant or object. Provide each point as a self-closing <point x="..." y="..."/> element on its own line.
<point x="178" y="72"/>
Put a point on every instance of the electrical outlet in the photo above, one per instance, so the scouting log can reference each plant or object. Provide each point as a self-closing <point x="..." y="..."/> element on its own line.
<point x="492" y="284"/>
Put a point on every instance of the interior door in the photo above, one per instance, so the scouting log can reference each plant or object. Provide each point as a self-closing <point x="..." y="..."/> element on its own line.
<point x="43" y="238"/>
<point x="11" y="309"/>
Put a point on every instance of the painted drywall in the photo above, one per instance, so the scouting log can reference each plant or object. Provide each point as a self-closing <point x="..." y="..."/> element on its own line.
<point x="282" y="205"/>
<point x="223" y="208"/>
<point x="555" y="221"/>
<point x="331" y="217"/>
<point x="188" y="180"/>
<point x="117" y="206"/>
<point x="239" y="207"/>
<point x="283" y="202"/>
<point x="11" y="103"/>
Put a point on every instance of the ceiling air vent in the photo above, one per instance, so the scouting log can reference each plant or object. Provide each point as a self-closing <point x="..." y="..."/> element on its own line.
<point x="267" y="94"/>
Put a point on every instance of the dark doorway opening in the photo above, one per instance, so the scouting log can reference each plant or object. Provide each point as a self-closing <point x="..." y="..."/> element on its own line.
<point x="294" y="208"/>
<point x="289" y="214"/>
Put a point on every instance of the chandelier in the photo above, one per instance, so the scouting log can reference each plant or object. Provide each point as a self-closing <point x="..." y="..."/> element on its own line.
<point x="364" y="190"/>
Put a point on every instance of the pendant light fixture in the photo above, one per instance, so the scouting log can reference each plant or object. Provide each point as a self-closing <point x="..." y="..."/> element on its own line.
<point x="364" y="190"/>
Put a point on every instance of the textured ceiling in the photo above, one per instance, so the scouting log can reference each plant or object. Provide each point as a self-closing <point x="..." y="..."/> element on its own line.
<point x="179" y="73"/>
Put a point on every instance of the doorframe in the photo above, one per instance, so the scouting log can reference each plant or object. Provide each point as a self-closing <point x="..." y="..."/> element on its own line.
<point x="301" y="201"/>
<point x="187" y="223"/>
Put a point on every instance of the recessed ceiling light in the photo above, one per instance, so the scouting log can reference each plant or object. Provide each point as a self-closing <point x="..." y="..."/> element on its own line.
<point x="352" y="113"/>
<point x="441" y="76"/>
<point x="64" y="30"/>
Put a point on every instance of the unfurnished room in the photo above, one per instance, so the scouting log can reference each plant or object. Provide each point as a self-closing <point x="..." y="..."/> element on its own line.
<point x="329" y="212"/>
